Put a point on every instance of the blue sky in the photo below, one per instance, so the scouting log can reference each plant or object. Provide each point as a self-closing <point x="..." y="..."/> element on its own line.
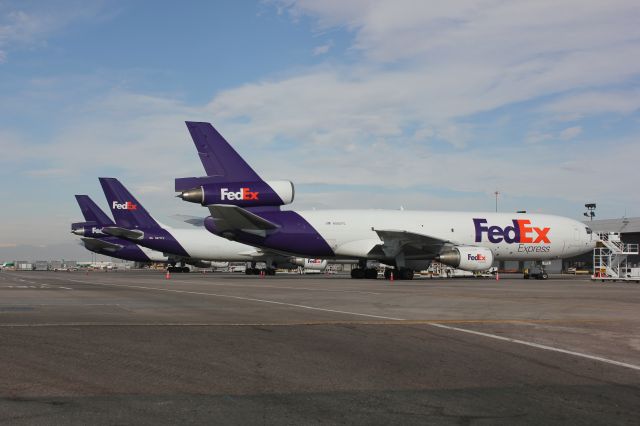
<point x="369" y="104"/>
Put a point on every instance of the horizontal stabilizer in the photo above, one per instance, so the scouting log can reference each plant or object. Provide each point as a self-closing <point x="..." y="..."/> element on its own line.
<point x="97" y="244"/>
<point x="129" y="234"/>
<point x="229" y="219"/>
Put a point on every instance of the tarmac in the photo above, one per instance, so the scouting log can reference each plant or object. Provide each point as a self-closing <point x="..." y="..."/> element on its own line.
<point x="219" y="348"/>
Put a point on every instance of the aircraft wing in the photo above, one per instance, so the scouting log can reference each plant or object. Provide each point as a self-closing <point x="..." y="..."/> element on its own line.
<point x="191" y="220"/>
<point x="412" y="245"/>
<point x="230" y="218"/>
<point x="96" y="244"/>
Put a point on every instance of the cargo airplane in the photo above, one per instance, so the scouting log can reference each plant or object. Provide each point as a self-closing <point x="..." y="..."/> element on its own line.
<point x="245" y="208"/>
<point x="93" y="239"/>
<point x="194" y="246"/>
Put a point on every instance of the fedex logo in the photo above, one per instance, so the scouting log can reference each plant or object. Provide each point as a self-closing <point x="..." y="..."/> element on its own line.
<point x="478" y="257"/>
<point x="243" y="194"/>
<point x="520" y="232"/>
<point x="124" y="206"/>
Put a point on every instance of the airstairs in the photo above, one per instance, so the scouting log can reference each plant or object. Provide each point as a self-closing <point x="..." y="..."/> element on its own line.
<point x="610" y="259"/>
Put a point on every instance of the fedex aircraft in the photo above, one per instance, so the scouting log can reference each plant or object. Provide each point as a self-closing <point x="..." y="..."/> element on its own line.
<point x="191" y="245"/>
<point x="246" y="208"/>
<point x="95" y="240"/>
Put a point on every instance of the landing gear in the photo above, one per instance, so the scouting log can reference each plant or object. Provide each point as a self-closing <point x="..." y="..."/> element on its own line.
<point x="258" y="271"/>
<point x="536" y="272"/>
<point x="363" y="272"/>
<point x="399" y="274"/>
<point x="178" y="269"/>
<point x="405" y="274"/>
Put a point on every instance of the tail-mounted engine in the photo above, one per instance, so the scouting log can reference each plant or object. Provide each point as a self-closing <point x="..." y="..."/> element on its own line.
<point x="467" y="258"/>
<point x="87" y="229"/>
<point x="242" y="194"/>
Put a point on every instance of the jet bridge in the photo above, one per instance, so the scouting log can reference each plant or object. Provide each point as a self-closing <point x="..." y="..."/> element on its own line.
<point x="610" y="259"/>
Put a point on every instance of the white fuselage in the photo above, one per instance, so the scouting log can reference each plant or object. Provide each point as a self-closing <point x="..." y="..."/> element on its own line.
<point x="352" y="233"/>
<point x="201" y="244"/>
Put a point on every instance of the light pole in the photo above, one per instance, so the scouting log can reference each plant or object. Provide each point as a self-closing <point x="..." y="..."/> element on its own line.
<point x="590" y="213"/>
<point x="497" y="193"/>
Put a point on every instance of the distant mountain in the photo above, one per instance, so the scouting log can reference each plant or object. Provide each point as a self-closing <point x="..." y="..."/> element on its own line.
<point x="65" y="251"/>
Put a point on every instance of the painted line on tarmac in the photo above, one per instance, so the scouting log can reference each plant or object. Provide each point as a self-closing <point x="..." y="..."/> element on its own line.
<point x="209" y="284"/>
<point x="433" y="324"/>
<point x="237" y="324"/>
<point x="538" y="346"/>
<point x="249" y="299"/>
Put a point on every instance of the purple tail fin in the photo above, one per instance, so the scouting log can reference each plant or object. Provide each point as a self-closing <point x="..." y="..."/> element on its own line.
<point x="126" y="210"/>
<point x="221" y="162"/>
<point x="91" y="211"/>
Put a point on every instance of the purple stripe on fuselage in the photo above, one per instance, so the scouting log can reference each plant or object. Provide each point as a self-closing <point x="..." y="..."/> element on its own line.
<point x="161" y="240"/>
<point x="295" y="236"/>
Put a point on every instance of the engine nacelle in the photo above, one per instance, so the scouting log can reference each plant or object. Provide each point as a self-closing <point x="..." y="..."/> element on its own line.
<point x="314" y="264"/>
<point x="198" y="263"/>
<point x="467" y="258"/>
<point x="242" y="194"/>
<point x="87" y="229"/>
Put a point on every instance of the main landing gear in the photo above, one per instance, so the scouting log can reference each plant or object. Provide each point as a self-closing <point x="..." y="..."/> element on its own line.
<point x="536" y="272"/>
<point x="368" y="273"/>
<point x="256" y="271"/>
<point x="363" y="272"/>
<point x="372" y="273"/>
<point x="178" y="269"/>
<point x="399" y="274"/>
<point x="252" y="270"/>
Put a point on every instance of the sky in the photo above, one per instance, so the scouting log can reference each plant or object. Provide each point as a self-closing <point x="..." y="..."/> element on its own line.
<point x="362" y="104"/>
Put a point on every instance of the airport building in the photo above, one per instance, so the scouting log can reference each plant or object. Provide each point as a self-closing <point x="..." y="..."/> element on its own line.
<point x="628" y="228"/>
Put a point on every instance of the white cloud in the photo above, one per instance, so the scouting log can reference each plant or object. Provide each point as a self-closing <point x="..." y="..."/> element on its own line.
<point x="383" y="126"/>
<point x="26" y="24"/>
<point x="595" y="102"/>
<point x="398" y="120"/>
<point x="570" y="133"/>
<point x="321" y="50"/>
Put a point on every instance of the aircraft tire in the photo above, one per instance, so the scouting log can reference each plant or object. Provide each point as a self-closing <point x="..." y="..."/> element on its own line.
<point x="371" y="273"/>
<point x="357" y="273"/>
<point x="406" y="274"/>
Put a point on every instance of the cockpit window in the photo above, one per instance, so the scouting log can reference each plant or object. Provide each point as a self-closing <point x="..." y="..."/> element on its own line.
<point x="589" y="231"/>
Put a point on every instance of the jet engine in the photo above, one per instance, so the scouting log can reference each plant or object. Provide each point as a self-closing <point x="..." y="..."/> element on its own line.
<point x="199" y="263"/>
<point x="242" y="194"/>
<point x="87" y="229"/>
<point x="314" y="264"/>
<point x="467" y="258"/>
